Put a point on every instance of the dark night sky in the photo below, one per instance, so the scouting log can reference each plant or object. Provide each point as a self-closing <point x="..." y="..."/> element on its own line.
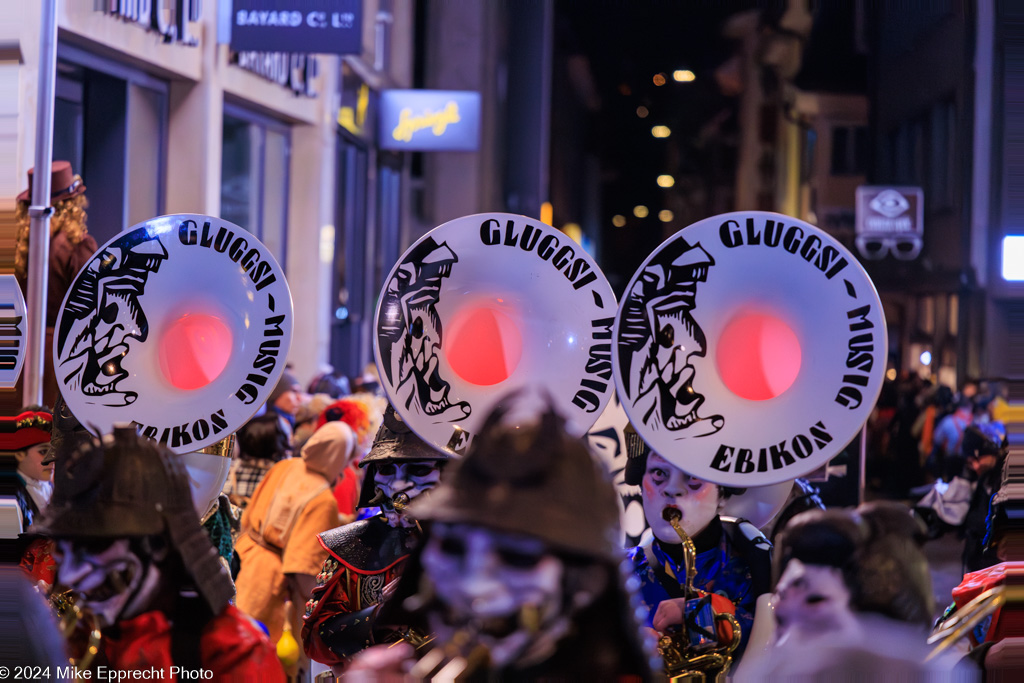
<point x="626" y="44"/>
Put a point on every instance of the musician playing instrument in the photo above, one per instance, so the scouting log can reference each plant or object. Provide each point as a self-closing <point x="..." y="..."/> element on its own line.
<point x="853" y="599"/>
<point x="732" y="565"/>
<point x="145" y="584"/>
<point x="367" y="555"/>
<point x="518" y="575"/>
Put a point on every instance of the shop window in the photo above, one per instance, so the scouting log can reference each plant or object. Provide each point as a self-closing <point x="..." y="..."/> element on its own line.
<point x="849" y="150"/>
<point x="110" y="121"/>
<point x="254" y="177"/>
<point x="352" y="306"/>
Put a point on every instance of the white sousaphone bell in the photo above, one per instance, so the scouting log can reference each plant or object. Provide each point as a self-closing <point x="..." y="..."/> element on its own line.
<point x="486" y="305"/>
<point x="181" y="326"/>
<point x="749" y="349"/>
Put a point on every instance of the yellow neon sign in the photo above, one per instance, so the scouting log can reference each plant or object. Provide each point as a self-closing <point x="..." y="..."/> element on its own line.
<point x="436" y="121"/>
<point x="353" y="121"/>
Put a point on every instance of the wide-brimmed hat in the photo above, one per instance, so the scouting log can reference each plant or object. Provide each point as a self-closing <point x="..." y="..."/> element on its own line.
<point x="28" y="429"/>
<point x="127" y="486"/>
<point x="533" y="479"/>
<point x="63" y="183"/>
<point x="395" y="441"/>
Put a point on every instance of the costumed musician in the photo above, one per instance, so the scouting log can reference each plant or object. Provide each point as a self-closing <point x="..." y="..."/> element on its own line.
<point x="146" y="587"/>
<point x="366" y="556"/>
<point x="518" y="576"/>
<point x="732" y="563"/>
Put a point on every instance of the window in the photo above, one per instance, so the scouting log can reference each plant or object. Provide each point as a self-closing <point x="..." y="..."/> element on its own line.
<point x="939" y="190"/>
<point x="849" y="150"/>
<point x="254" y="177"/>
<point x="110" y="122"/>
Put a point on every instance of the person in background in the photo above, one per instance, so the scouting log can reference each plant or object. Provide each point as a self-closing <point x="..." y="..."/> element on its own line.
<point x="285" y="399"/>
<point x="331" y="382"/>
<point x="360" y="415"/>
<point x="262" y="441"/>
<point x="71" y="247"/>
<point x="28" y="436"/>
<point x="278" y="548"/>
<point x="307" y="416"/>
<point x="945" y="461"/>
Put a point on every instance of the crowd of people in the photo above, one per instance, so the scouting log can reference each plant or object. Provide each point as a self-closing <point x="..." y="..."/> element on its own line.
<point x="344" y="545"/>
<point x="372" y="552"/>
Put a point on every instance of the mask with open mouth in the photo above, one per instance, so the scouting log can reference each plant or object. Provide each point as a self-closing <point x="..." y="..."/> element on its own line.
<point x="666" y="486"/>
<point x="108" y="577"/>
<point x="102" y="314"/>
<point x="408" y="477"/>
<point x="812" y="601"/>
<point x="504" y="591"/>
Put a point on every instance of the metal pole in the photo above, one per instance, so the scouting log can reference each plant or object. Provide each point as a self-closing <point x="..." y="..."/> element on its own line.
<point x="862" y="477"/>
<point x="40" y="210"/>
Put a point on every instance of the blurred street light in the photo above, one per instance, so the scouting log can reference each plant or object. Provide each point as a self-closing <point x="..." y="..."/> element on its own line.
<point x="683" y="75"/>
<point x="666" y="180"/>
<point x="661" y="131"/>
<point x="640" y="211"/>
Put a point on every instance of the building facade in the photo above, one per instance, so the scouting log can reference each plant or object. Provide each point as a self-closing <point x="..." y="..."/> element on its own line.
<point x="159" y="115"/>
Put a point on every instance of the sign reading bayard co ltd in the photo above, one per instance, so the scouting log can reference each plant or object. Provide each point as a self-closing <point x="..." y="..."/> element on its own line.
<point x="180" y="326"/>
<point x="890" y="220"/>
<point x="12" y="331"/>
<point x="305" y="26"/>
<point x="430" y="120"/>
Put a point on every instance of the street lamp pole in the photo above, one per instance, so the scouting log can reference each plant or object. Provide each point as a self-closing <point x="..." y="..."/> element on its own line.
<point x="39" y="211"/>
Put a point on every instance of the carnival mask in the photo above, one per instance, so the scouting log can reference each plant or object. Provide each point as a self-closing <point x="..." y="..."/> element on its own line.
<point x="409" y="477"/>
<point x="666" y="486"/>
<point x="502" y="591"/>
<point x="107" y="577"/>
<point x="812" y="600"/>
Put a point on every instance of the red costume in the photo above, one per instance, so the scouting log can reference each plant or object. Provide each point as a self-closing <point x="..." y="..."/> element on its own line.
<point x="38" y="562"/>
<point x="232" y="648"/>
<point x="363" y="558"/>
<point x="1004" y="623"/>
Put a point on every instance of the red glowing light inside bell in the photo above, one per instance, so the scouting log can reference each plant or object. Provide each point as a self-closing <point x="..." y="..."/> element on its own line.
<point x="483" y="345"/>
<point x="194" y="350"/>
<point x="758" y="356"/>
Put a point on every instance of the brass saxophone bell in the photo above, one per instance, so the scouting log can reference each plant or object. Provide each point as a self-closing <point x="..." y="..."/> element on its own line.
<point x="71" y="618"/>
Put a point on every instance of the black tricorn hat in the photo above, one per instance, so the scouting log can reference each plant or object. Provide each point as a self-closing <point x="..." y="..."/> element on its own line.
<point x="128" y="486"/>
<point x="532" y="479"/>
<point x="394" y="441"/>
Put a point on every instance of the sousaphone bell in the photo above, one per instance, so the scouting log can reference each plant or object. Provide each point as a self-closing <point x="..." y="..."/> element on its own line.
<point x="180" y="326"/>
<point x="486" y="305"/>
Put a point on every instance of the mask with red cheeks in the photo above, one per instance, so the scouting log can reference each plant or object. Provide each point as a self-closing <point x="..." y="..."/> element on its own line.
<point x="666" y="486"/>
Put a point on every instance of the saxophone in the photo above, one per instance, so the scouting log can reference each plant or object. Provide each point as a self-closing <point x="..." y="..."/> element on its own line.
<point x="683" y="661"/>
<point x="73" y="620"/>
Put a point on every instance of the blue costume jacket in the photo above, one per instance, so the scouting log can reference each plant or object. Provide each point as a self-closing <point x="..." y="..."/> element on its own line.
<point x="722" y="568"/>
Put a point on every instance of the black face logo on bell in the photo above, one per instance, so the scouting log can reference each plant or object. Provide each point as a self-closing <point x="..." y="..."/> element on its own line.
<point x="102" y="313"/>
<point x="410" y="333"/>
<point x="658" y="337"/>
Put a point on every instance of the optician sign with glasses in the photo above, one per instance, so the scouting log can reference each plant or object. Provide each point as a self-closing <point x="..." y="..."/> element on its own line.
<point x="890" y="220"/>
